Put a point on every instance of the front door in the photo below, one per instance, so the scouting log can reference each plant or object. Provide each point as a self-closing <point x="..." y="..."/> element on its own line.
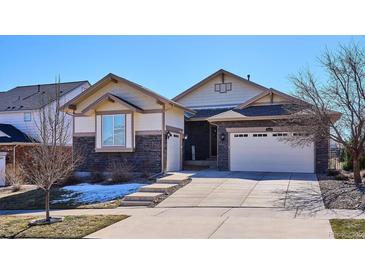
<point x="213" y="140"/>
<point x="173" y="152"/>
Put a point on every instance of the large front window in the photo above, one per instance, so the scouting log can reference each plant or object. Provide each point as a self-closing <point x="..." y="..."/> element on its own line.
<point x="113" y="130"/>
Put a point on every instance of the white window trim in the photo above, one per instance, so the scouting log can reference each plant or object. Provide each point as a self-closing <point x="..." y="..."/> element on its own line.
<point x="125" y="129"/>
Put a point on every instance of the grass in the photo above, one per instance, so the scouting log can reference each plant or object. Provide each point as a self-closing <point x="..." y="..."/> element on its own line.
<point x="73" y="227"/>
<point x="348" y="228"/>
<point x="34" y="199"/>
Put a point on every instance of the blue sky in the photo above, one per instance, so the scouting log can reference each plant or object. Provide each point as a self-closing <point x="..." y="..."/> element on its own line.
<point x="165" y="64"/>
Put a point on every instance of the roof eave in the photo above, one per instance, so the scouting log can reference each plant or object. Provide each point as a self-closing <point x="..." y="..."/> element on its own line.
<point x="249" y="118"/>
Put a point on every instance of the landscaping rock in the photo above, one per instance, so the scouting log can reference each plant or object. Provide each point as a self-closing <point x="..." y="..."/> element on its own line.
<point x="342" y="194"/>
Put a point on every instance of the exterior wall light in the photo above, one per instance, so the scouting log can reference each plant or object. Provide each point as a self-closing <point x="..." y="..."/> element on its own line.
<point x="223" y="137"/>
<point x="168" y="134"/>
<point x="185" y="137"/>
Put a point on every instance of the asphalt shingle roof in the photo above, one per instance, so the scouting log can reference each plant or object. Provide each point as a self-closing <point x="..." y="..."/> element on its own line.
<point x="15" y="135"/>
<point x="269" y="110"/>
<point x="206" y="113"/>
<point x="34" y="96"/>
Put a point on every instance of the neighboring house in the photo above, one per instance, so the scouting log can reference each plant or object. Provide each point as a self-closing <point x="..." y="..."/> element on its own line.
<point x="234" y="128"/>
<point x="20" y="111"/>
<point x="117" y="120"/>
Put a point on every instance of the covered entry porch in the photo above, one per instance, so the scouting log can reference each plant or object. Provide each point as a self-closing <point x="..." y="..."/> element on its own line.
<point x="200" y="145"/>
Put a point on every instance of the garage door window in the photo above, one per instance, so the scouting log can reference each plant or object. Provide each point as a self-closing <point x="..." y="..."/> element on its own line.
<point x="259" y="135"/>
<point x="240" y="135"/>
<point x="279" y="134"/>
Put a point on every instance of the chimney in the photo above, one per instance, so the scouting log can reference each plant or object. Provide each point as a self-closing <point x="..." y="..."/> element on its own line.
<point x="39" y="88"/>
<point x="248" y="77"/>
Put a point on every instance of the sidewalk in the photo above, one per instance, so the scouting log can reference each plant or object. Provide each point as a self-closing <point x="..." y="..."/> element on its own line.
<point x="204" y="223"/>
<point x="280" y="213"/>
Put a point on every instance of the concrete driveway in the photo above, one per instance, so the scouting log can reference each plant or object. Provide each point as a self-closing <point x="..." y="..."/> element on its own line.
<point x="209" y="188"/>
<point x="231" y="205"/>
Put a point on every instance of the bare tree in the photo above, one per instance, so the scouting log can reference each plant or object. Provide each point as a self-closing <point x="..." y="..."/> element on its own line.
<point x="52" y="158"/>
<point x="15" y="176"/>
<point x="334" y="108"/>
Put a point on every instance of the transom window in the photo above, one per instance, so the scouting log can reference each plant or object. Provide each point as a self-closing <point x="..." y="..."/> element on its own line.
<point x="113" y="130"/>
<point x="27" y="116"/>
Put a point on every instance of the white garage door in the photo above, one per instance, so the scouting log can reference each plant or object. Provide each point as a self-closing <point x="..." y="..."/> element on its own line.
<point x="173" y="152"/>
<point x="265" y="151"/>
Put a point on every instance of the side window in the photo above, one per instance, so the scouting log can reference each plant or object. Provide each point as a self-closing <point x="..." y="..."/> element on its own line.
<point x="27" y="116"/>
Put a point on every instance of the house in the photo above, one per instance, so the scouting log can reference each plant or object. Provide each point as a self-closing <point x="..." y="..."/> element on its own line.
<point x="234" y="128"/>
<point x="20" y="111"/>
<point x="117" y="120"/>
<point x="225" y="121"/>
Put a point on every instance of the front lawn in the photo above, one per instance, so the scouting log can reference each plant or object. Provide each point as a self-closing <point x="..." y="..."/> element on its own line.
<point x="69" y="197"/>
<point x="73" y="227"/>
<point x="348" y="228"/>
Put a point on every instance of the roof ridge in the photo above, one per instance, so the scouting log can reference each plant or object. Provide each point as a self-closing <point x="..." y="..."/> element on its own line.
<point x="82" y="81"/>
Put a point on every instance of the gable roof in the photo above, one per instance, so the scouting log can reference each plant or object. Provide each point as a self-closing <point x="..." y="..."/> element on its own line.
<point x="13" y="135"/>
<point x="265" y="91"/>
<point x="34" y="96"/>
<point x="114" y="78"/>
<point x="212" y="76"/>
<point x="113" y="98"/>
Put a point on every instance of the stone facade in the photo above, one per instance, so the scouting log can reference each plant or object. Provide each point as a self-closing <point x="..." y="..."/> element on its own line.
<point x="321" y="147"/>
<point x="146" y="158"/>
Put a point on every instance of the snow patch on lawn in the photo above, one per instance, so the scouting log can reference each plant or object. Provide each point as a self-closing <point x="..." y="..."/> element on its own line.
<point x="96" y="193"/>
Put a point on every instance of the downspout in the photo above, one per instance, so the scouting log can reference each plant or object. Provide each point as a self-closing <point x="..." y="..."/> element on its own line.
<point x="14" y="161"/>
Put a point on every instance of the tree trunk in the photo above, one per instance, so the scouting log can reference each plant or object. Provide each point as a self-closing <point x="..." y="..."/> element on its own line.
<point x="356" y="169"/>
<point x="47" y="205"/>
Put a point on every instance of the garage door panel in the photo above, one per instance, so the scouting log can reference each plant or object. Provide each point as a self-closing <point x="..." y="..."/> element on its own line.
<point x="268" y="154"/>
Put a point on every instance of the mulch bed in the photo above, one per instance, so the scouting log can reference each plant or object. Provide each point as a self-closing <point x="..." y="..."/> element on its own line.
<point x="339" y="194"/>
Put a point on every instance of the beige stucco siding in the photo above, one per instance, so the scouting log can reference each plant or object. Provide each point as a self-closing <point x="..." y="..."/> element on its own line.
<point x="124" y="91"/>
<point x="147" y="121"/>
<point x="206" y="96"/>
<point x="175" y="118"/>
<point x="110" y="106"/>
<point x="85" y="124"/>
<point x="267" y="99"/>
